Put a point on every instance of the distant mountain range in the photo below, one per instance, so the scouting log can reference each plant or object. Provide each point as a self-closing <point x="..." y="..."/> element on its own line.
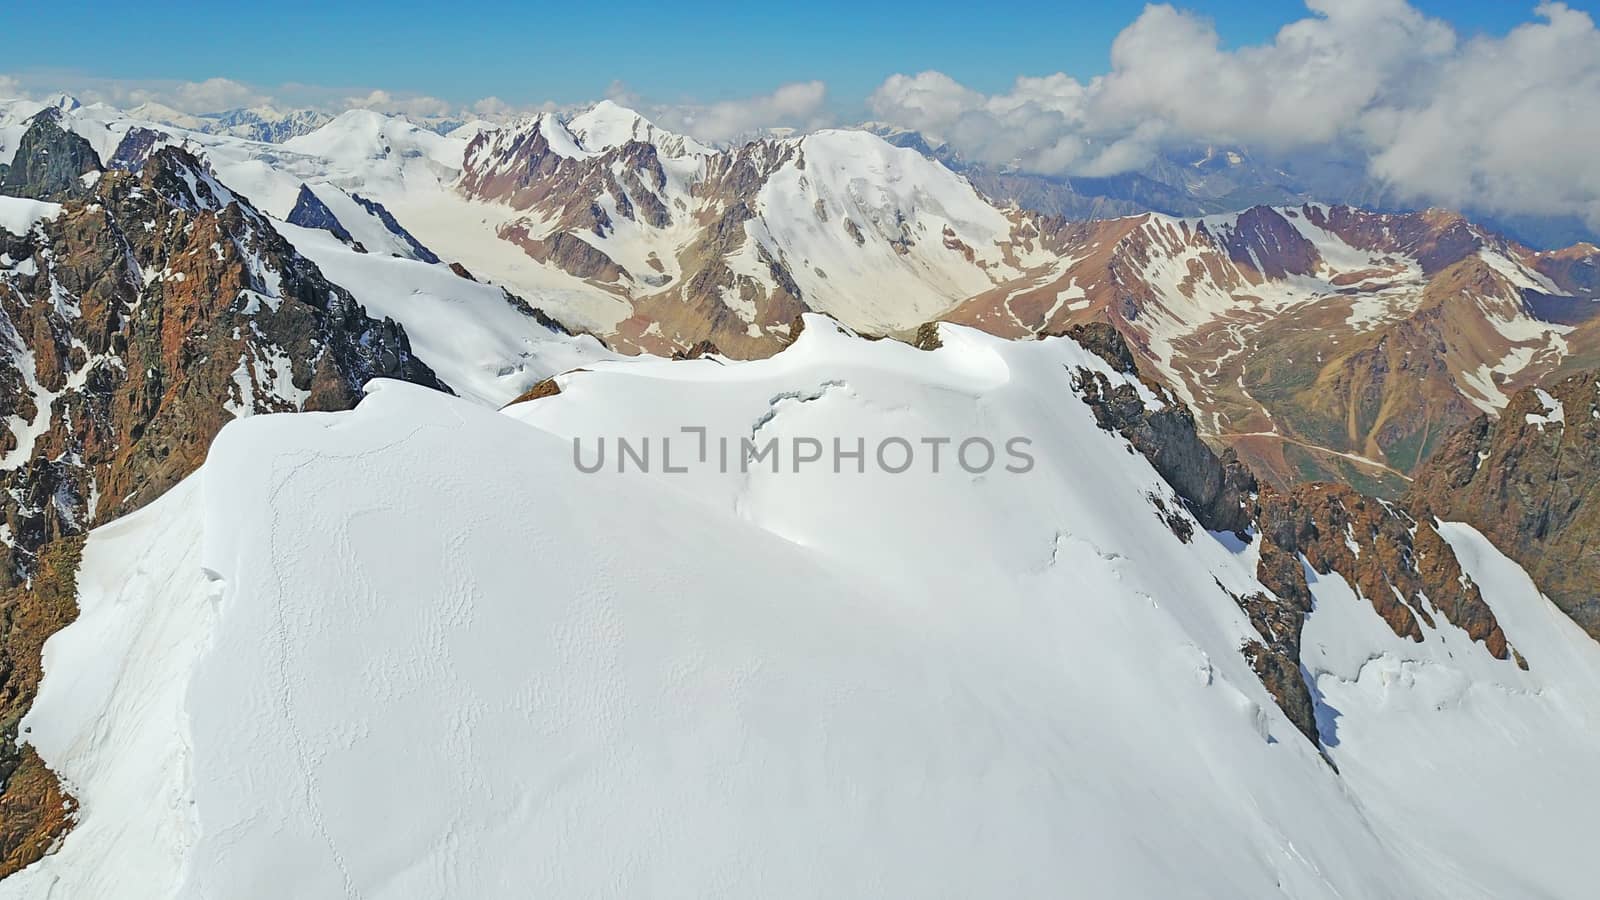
<point x="1317" y="340"/>
<point x="1204" y="180"/>
<point x="1195" y="180"/>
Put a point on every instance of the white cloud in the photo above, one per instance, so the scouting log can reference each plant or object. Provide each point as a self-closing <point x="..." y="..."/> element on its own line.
<point x="1510" y="125"/>
<point x="800" y="105"/>
<point x="214" y="95"/>
<point x="493" y="107"/>
<point x="416" y="105"/>
<point x="211" y="95"/>
<point x="1499" y="123"/>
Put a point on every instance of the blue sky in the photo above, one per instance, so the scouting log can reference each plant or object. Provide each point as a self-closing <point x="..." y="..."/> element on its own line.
<point x="569" y="52"/>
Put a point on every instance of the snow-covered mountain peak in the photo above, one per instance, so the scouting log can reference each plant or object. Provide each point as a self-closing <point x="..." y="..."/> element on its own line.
<point x="879" y="174"/>
<point x="63" y="102"/>
<point x="152" y="111"/>
<point x="469" y="130"/>
<point x="374" y="134"/>
<point x="364" y="149"/>
<point x="608" y="124"/>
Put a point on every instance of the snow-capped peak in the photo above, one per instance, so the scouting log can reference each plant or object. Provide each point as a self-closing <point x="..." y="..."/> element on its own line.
<point x="367" y="134"/>
<point x="64" y="102"/>
<point x="151" y="111"/>
<point x="469" y="130"/>
<point x="608" y="124"/>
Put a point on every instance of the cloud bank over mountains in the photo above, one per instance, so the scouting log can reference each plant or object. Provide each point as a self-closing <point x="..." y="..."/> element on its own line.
<point x="1501" y="123"/>
<point x="1507" y="123"/>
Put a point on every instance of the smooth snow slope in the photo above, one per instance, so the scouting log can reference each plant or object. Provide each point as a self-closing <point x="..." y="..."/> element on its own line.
<point x="1451" y="748"/>
<point x="438" y="660"/>
<point x="467" y="332"/>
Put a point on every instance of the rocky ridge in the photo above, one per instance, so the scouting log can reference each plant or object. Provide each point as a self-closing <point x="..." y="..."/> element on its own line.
<point x="134" y="323"/>
<point x="1394" y="559"/>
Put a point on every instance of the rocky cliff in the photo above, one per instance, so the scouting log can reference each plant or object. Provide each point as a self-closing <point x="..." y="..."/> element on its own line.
<point x="1528" y="480"/>
<point x="51" y="163"/>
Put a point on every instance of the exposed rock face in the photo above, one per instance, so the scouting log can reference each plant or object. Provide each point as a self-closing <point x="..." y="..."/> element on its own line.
<point x="1575" y="270"/>
<point x="51" y="163"/>
<point x="1262" y="238"/>
<point x="1104" y="341"/>
<point x="381" y="213"/>
<point x="34" y="812"/>
<point x="137" y="324"/>
<point x="1403" y="567"/>
<point x="533" y="312"/>
<point x="1400" y="565"/>
<point x="1220" y="493"/>
<point x="703" y="348"/>
<point x="1529" y="482"/>
<point x="545" y="388"/>
<point x="310" y="212"/>
<point x="1217" y="490"/>
<point x="135" y="147"/>
<point x="133" y="326"/>
<point x="567" y="252"/>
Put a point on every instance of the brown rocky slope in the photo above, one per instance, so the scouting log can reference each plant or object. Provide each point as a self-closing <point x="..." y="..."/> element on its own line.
<point x="1530" y="481"/>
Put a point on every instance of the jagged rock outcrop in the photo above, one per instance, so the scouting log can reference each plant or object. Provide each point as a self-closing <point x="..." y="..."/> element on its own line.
<point x="133" y="326"/>
<point x="327" y="208"/>
<point x="927" y="337"/>
<point x="546" y="388"/>
<point x="1530" y="482"/>
<point x="51" y="163"/>
<point x="1403" y="567"/>
<point x="1220" y="493"/>
<point x="137" y="324"/>
<point x="1400" y="565"/>
<point x="381" y="213"/>
<point x="310" y="212"/>
<point x="1217" y="490"/>
<point x="135" y="147"/>
<point x="702" y="348"/>
<point x="1278" y="619"/>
